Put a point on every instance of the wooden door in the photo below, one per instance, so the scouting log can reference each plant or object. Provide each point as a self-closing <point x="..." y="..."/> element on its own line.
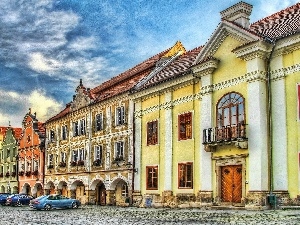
<point x="231" y="183"/>
<point x="102" y="194"/>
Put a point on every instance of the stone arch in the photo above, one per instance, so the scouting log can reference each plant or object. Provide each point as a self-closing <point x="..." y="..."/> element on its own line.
<point x="62" y="188"/>
<point x="119" y="189"/>
<point x="49" y="188"/>
<point x="95" y="182"/>
<point x="2" y="189"/>
<point x="26" y="189"/>
<point x="78" y="191"/>
<point x="37" y="190"/>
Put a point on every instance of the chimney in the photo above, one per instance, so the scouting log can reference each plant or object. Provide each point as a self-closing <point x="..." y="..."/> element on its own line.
<point x="238" y="13"/>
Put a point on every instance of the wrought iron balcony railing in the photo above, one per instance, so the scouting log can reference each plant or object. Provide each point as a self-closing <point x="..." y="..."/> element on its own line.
<point x="224" y="134"/>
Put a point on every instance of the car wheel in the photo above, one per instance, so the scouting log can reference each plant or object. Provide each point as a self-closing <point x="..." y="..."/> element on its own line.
<point x="74" y="205"/>
<point x="47" y="207"/>
<point x="18" y="203"/>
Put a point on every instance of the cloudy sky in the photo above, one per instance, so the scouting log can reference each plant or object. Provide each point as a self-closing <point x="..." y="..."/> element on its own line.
<point x="46" y="46"/>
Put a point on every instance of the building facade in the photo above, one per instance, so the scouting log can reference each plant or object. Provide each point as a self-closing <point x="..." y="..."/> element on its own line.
<point x="222" y="130"/>
<point x="8" y="156"/>
<point x="31" y="156"/>
<point x="90" y="152"/>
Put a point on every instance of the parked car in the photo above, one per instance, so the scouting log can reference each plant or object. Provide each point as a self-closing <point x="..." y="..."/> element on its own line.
<point x="18" y="199"/>
<point x="3" y="197"/>
<point x="48" y="202"/>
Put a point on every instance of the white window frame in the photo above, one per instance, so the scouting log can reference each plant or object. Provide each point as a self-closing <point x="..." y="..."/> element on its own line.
<point x="100" y="116"/>
<point x="120" y="115"/>
<point x="50" y="159"/>
<point x="98" y="152"/>
<point x="119" y="148"/>
<point x="63" y="157"/>
<point x="64" y="132"/>
<point x="79" y="127"/>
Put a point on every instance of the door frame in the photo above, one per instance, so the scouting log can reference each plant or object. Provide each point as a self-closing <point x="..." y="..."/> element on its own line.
<point x="233" y="160"/>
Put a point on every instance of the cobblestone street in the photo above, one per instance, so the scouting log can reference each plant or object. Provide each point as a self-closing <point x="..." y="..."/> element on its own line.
<point x="118" y="215"/>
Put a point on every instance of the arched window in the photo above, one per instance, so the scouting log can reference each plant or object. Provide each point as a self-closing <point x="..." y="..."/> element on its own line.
<point x="231" y="116"/>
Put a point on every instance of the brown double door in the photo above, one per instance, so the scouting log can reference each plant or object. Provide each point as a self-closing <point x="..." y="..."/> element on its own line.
<point x="231" y="183"/>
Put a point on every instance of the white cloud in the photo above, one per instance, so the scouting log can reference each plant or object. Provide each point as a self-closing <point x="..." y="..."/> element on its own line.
<point x="14" y="106"/>
<point x="40" y="63"/>
<point x="44" y="106"/>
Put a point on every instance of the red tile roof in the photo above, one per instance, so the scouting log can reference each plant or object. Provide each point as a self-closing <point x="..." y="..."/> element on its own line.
<point x="118" y="84"/>
<point x="175" y="69"/>
<point x="279" y="24"/>
<point x="3" y="130"/>
<point x="17" y="132"/>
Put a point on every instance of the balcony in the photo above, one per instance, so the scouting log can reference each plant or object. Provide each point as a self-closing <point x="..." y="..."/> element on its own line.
<point x="231" y="134"/>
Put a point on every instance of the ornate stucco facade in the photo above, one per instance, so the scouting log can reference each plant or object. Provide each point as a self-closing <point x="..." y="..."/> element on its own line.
<point x="239" y="105"/>
<point x="8" y="157"/>
<point x="31" y="156"/>
<point x="89" y="147"/>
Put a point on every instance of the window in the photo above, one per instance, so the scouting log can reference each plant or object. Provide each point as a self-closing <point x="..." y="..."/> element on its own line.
<point x="52" y="136"/>
<point x="185" y="175"/>
<point x="78" y="155"/>
<point x="152" y="177"/>
<point x="99" y="122"/>
<point x="185" y="126"/>
<point x="79" y="128"/>
<point x="231" y="117"/>
<point x="124" y="190"/>
<point x="64" y="130"/>
<point x="119" y="150"/>
<point x="50" y="159"/>
<point x="63" y="157"/>
<point x="98" y="152"/>
<point x="152" y="133"/>
<point x="120" y="115"/>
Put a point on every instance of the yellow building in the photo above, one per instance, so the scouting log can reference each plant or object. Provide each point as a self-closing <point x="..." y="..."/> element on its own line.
<point x="219" y="125"/>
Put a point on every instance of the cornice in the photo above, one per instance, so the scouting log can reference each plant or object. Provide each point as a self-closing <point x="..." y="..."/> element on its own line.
<point x="205" y="68"/>
<point x="257" y="49"/>
<point x="167" y="105"/>
<point x="287" y="45"/>
<point x="164" y="87"/>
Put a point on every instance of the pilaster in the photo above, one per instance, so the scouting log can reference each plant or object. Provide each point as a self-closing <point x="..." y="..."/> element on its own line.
<point x="279" y="126"/>
<point x="168" y="144"/>
<point x="138" y="146"/>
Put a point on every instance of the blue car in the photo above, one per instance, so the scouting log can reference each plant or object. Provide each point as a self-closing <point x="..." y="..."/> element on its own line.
<point x="3" y="198"/>
<point x="18" y="199"/>
<point x="48" y="202"/>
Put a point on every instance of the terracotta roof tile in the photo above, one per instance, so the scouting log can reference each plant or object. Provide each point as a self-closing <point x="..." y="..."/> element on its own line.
<point x="176" y="68"/>
<point x="118" y="84"/>
<point x="279" y="24"/>
<point x="17" y="132"/>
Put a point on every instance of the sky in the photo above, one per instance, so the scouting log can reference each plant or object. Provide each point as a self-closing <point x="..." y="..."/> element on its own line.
<point x="47" y="46"/>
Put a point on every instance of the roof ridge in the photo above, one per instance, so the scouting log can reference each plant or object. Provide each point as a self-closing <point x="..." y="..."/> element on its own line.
<point x="114" y="80"/>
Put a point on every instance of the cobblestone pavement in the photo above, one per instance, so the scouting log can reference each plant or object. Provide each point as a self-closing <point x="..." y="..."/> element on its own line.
<point x="129" y="215"/>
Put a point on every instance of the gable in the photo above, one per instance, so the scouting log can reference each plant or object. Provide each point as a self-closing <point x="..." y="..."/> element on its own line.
<point x="225" y="29"/>
<point x="227" y="59"/>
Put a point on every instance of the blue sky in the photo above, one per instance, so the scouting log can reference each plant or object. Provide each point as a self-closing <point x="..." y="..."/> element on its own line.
<point x="46" y="46"/>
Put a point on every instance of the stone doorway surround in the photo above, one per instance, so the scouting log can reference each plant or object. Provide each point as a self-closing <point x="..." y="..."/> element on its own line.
<point x="229" y="160"/>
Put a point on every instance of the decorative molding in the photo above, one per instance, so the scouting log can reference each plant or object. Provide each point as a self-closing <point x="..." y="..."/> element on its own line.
<point x="167" y="105"/>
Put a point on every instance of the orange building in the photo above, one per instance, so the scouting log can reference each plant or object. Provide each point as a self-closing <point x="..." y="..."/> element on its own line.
<point x="31" y="156"/>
